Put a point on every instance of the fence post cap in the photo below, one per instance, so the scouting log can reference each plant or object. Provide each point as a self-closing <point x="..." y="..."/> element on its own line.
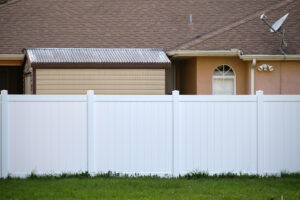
<point x="3" y="92"/>
<point x="175" y="92"/>
<point x="259" y="92"/>
<point x="90" y="92"/>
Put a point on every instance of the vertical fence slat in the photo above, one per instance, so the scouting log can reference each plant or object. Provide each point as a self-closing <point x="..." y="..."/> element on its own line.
<point x="0" y="135"/>
<point x="90" y="131"/>
<point x="175" y="138"/>
<point x="260" y="131"/>
<point x="4" y="135"/>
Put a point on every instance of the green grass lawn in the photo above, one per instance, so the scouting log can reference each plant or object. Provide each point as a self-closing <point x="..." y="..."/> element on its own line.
<point x="151" y="188"/>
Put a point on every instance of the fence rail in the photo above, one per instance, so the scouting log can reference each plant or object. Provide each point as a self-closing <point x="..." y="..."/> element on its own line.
<point x="149" y="134"/>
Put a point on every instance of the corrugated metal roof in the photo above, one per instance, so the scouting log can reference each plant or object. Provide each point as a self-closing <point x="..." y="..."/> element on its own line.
<point x="96" y="55"/>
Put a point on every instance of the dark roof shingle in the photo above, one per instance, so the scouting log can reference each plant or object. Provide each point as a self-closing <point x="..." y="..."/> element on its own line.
<point x="254" y="37"/>
<point x="130" y="23"/>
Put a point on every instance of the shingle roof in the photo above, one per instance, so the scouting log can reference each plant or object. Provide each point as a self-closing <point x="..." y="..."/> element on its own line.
<point x="254" y="37"/>
<point x="96" y="55"/>
<point x="134" y="24"/>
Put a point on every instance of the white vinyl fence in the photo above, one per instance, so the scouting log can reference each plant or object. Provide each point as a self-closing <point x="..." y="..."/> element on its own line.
<point x="151" y="134"/>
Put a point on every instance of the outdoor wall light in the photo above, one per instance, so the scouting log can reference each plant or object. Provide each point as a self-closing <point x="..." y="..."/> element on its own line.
<point x="261" y="67"/>
<point x="271" y="68"/>
<point x="265" y="68"/>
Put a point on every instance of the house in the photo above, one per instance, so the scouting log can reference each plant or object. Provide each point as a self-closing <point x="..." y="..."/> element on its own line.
<point x="215" y="47"/>
<point x="229" y="72"/>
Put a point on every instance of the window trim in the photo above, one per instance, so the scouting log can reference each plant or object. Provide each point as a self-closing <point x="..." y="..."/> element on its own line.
<point x="224" y="77"/>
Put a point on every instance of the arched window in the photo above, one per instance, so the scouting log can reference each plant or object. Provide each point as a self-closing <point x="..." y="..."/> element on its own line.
<point x="223" y="80"/>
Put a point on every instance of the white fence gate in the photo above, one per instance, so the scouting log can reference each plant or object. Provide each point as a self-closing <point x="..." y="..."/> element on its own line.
<point x="151" y="134"/>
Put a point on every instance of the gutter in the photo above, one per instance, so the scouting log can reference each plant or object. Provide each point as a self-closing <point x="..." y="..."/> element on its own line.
<point x="270" y="57"/>
<point x="11" y="56"/>
<point x="11" y="60"/>
<point x="198" y="53"/>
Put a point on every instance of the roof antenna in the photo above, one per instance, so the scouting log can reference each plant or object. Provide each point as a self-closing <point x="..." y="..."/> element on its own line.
<point x="277" y="28"/>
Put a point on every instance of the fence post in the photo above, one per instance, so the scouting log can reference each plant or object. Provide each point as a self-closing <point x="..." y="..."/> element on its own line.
<point x="260" y="131"/>
<point x="4" y="135"/>
<point x="175" y="136"/>
<point x="90" y="131"/>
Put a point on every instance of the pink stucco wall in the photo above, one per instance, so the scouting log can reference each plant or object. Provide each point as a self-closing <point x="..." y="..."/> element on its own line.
<point x="285" y="79"/>
<point x="206" y="66"/>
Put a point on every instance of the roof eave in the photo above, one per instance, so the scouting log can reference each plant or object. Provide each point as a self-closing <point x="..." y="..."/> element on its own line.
<point x="270" y="57"/>
<point x="201" y="53"/>
<point x="11" y="56"/>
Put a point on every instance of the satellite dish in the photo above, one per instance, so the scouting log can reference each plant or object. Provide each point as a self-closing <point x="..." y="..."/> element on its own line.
<point x="276" y="26"/>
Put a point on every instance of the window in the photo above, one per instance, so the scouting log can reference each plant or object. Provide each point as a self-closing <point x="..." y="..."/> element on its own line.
<point x="223" y="80"/>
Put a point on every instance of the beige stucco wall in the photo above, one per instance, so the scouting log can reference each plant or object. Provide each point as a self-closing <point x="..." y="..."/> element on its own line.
<point x="102" y="81"/>
<point x="285" y="79"/>
<point x="206" y="66"/>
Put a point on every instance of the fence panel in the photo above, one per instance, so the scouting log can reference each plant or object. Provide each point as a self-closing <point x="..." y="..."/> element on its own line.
<point x="281" y="139"/>
<point x="218" y="134"/>
<point x="152" y="134"/>
<point x="133" y="134"/>
<point x="46" y="136"/>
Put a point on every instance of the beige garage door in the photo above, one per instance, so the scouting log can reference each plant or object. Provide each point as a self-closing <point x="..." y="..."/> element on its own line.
<point x="102" y="81"/>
